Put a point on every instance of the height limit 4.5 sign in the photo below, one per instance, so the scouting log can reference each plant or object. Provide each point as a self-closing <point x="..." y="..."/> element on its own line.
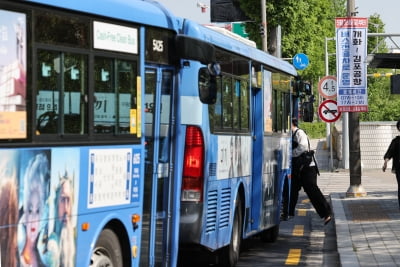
<point x="328" y="111"/>
<point x="327" y="87"/>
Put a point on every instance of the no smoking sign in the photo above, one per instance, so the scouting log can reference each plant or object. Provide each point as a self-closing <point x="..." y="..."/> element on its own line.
<point x="328" y="111"/>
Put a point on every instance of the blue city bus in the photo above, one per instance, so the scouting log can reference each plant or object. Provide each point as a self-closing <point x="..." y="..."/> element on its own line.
<point x="129" y="136"/>
<point x="87" y="107"/>
<point x="233" y="141"/>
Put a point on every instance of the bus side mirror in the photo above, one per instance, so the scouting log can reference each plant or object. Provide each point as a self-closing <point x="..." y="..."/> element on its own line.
<point x="207" y="86"/>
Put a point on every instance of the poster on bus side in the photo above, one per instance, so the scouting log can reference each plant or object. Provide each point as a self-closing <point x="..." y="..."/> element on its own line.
<point x="38" y="201"/>
<point x="233" y="156"/>
<point x="12" y="75"/>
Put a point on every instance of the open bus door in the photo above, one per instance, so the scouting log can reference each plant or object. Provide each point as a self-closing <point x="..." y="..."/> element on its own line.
<point x="157" y="184"/>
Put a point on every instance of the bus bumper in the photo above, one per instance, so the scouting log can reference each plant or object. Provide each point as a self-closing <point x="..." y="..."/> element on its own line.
<point x="190" y="223"/>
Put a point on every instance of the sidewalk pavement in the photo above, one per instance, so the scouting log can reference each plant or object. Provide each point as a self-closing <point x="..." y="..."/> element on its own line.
<point x="367" y="228"/>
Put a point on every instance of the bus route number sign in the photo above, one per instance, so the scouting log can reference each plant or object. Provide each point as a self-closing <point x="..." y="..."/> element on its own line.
<point x="328" y="111"/>
<point x="327" y="87"/>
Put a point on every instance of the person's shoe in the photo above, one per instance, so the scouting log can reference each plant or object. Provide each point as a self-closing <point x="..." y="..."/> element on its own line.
<point x="327" y="219"/>
<point x="290" y="217"/>
<point x="284" y="217"/>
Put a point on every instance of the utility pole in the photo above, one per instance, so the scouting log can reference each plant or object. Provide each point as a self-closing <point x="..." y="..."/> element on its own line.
<point x="264" y="25"/>
<point x="355" y="189"/>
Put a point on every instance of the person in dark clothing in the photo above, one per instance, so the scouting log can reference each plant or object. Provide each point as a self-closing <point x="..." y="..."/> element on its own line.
<point x="305" y="175"/>
<point x="285" y="199"/>
<point x="393" y="152"/>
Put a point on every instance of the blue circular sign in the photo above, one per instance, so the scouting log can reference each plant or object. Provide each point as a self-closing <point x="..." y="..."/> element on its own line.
<point x="300" y="61"/>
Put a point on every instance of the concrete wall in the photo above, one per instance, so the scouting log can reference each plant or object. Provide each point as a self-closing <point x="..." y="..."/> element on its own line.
<point x="375" y="138"/>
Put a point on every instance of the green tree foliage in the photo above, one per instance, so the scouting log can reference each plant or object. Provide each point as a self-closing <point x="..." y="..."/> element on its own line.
<point x="382" y="105"/>
<point x="304" y="25"/>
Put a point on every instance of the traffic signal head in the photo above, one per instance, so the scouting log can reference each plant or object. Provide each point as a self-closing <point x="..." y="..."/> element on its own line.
<point x="307" y="111"/>
<point x="302" y="87"/>
<point x="262" y="30"/>
<point x="395" y="84"/>
<point x="307" y="88"/>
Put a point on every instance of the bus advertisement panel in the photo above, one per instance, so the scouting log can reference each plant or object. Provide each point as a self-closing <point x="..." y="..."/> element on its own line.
<point x="40" y="192"/>
<point x="12" y="74"/>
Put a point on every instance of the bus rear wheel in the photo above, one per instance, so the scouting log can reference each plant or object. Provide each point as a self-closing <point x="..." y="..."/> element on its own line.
<point x="229" y="255"/>
<point x="107" y="251"/>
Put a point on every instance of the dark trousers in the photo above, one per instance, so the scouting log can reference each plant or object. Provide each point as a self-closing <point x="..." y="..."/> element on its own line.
<point x="307" y="178"/>
<point x="398" y="185"/>
<point x="285" y="197"/>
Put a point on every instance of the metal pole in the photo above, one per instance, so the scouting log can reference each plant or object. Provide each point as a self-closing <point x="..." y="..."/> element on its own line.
<point x="264" y="25"/>
<point x="355" y="189"/>
<point x="345" y="140"/>
<point x="328" y="125"/>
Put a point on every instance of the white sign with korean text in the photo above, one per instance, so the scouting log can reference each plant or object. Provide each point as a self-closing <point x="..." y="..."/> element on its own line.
<point x="351" y="56"/>
<point x="110" y="177"/>
<point x="115" y="37"/>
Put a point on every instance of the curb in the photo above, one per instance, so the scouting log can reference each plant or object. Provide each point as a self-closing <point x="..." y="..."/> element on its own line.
<point x="348" y="257"/>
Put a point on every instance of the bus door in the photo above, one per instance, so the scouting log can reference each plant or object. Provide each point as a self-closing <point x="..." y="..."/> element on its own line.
<point x="159" y="83"/>
<point x="257" y="168"/>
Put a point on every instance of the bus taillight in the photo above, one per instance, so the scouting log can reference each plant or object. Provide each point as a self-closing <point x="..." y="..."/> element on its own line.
<point x="193" y="165"/>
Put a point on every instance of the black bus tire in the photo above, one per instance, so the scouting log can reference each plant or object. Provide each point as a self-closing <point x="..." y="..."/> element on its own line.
<point x="229" y="255"/>
<point x="107" y="250"/>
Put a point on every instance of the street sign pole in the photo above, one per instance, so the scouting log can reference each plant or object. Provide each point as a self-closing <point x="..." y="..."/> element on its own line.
<point x="264" y="25"/>
<point x="355" y="189"/>
<point x="329" y="138"/>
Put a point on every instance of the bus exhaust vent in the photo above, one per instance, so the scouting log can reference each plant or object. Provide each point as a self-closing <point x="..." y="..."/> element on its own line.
<point x="212" y="211"/>
<point x="225" y="208"/>
<point x="212" y="169"/>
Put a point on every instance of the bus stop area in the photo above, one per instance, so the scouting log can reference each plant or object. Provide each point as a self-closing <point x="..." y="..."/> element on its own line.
<point x="367" y="227"/>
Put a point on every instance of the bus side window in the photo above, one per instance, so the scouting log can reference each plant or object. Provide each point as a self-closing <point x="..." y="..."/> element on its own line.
<point x="244" y="105"/>
<point x="215" y="110"/>
<point x="114" y="95"/>
<point x="227" y="105"/>
<point x="47" y="92"/>
<point x="61" y="89"/>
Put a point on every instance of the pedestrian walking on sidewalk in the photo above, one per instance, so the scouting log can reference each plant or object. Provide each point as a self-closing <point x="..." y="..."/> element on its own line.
<point x="393" y="152"/>
<point x="304" y="174"/>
